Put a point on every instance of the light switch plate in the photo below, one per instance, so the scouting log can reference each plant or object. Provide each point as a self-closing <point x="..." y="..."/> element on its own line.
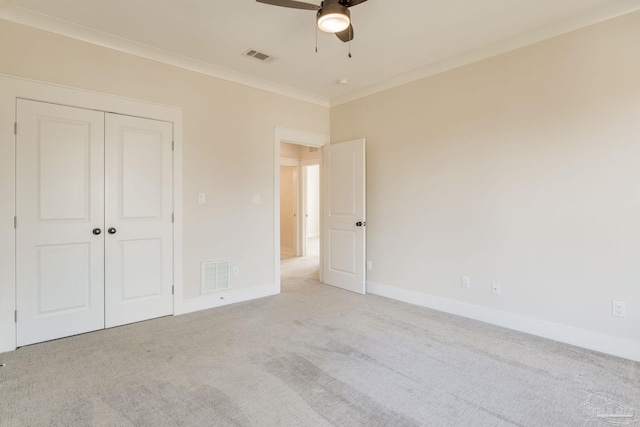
<point x="465" y="282"/>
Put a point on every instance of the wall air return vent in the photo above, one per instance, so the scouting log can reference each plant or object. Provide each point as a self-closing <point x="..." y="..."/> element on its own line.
<point x="258" y="56"/>
<point x="215" y="275"/>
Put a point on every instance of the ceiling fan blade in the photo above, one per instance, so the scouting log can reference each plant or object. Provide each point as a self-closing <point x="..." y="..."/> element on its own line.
<point x="349" y="3"/>
<point x="346" y="35"/>
<point x="291" y="3"/>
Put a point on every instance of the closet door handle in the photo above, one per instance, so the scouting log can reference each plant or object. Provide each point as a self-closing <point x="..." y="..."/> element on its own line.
<point x="96" y="231"/>
<point x="111" y="230"/>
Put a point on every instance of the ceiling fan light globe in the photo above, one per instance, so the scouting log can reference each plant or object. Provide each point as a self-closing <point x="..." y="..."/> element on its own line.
<point x="333" y="22"/>
<point x="333" y="17"/>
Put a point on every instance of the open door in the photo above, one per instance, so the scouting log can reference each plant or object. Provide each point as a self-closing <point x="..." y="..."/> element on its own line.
<point x="343" y="216"/>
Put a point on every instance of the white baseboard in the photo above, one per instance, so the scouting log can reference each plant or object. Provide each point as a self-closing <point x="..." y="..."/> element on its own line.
<point x="591" y="340"/>
<point x="224" y="297"/>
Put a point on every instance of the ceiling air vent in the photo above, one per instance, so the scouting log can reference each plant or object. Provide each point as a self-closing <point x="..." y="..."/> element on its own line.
<point x="313" y="149"/>
<point x="258" y="56"/>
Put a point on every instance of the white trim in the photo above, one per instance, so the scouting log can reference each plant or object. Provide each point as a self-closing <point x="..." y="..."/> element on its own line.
<point x="53" y="25"/>
<point x="301" y="137"/>
<point x="621" y="347"/>
<point x="550" y="30"/>
<point x="12" y="88"/>
<point x="226" y="297"/>
<point x="292" y="136"/>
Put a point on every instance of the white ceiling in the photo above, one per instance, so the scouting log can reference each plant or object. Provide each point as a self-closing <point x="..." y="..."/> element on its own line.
<point x="396" y="41"/>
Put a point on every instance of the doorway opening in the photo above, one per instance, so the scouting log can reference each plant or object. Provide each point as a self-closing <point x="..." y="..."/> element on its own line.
<point x="299" y="211"/>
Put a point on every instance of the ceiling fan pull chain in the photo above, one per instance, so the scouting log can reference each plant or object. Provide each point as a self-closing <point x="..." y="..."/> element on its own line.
<point x="350" y="38"/>
<point x="316" y="38"/>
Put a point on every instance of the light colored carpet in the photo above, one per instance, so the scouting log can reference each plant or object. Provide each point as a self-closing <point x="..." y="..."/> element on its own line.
<point x="312" y="356"/>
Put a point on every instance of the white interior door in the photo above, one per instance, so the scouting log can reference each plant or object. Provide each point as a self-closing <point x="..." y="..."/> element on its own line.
<point x="138" y="224"/>
<point x="59" y="207"/>
<point x="344" y="215"/>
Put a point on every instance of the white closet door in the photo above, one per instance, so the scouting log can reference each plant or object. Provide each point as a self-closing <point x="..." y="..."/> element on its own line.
<point x="138" y="242"/>
<point x="59" y="207"/>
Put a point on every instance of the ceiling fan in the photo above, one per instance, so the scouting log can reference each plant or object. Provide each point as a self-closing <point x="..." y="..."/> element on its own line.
<point x="333" y="15"/>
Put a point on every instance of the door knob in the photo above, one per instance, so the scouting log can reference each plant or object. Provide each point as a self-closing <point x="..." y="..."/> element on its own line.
<point x="111" y="230"/>
<point x="96" y="231"/>
<point x="359" y="224"/>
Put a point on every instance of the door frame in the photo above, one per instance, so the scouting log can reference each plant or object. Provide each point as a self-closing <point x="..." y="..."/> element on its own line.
<point x="12" y="88"/>
<point x="298" y="137"/>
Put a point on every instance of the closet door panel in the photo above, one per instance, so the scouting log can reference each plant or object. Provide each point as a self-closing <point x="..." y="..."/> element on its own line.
<point x="139" y="202"/>
<point x="59" y="204"/>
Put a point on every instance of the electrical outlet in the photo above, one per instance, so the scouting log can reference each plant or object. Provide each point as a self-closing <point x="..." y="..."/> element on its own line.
<point x="495" y="288"/>
<point x="202" y="198"/>
<point x="465" y="282"/>
<point x="369" y="265"/>
<point x="618" y="309"/>
<point x="235" y="272"/>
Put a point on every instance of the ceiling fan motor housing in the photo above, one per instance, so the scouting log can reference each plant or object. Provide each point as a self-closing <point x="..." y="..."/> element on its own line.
<point x="333" y="17"/>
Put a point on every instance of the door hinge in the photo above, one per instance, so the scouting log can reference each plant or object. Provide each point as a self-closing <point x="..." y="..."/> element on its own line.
<point x="173" y="290"/>
<point x="173" y="144"/>
<point x="15" y="222"/>
<point x="15" y="128"/>
<point x="15" y="316"/>
<point x="172" y="218"/>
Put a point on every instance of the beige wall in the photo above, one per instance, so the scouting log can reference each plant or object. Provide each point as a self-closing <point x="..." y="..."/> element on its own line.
<point x="228" y="141"/>
<point x="522" y="169"/>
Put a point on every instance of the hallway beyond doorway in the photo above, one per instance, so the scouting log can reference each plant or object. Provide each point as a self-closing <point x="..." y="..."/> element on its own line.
<point x="302" y="267"/>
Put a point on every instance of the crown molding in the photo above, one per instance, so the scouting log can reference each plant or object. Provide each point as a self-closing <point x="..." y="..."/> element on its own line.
<point x="43" y="22"/>
<point x="526" y="38"/>
<point x="53" y="25"/>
